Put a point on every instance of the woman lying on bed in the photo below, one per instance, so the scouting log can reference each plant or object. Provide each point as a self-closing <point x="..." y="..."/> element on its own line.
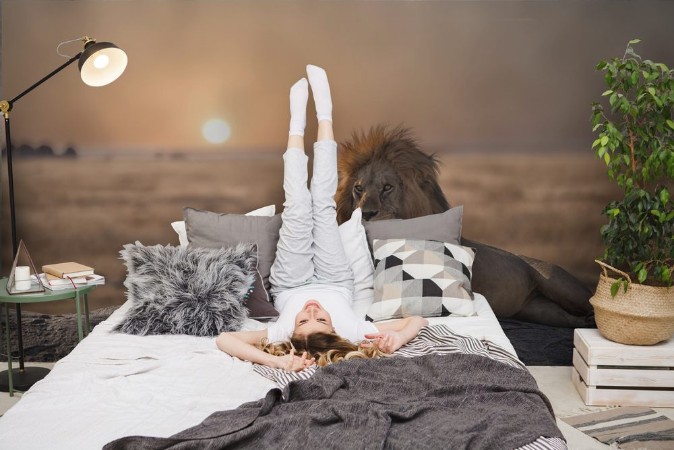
<point x="311" y="280"/>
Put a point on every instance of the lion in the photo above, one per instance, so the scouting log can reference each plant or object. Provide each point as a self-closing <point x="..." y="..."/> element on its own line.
<point x="387" y="175"/>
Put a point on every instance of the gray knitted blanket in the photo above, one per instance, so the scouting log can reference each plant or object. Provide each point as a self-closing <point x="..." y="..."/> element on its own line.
<point x="432" y="401"/>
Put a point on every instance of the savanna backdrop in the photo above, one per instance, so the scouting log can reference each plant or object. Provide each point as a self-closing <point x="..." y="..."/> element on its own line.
<point x="500" y="91"/>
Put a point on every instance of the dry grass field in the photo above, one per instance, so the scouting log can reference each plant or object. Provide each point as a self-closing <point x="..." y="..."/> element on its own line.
<point x="548" y="207"/>
<point x="544" y="206"/>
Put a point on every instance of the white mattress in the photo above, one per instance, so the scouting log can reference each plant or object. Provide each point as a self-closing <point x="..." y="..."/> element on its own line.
<point x="113" y="385"/>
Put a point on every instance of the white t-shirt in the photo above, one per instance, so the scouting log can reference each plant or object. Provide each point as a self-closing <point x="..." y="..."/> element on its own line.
<point x="336" y="300"/>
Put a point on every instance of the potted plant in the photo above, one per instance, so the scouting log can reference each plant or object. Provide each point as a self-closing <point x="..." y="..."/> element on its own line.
<point x="635" y="138"/>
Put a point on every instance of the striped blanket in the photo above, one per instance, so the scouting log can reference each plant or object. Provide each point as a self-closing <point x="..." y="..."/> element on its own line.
<point x="432" y="340"/>
<point x="456" y="392"/>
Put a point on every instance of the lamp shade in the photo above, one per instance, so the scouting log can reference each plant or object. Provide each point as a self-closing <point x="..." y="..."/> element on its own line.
<point x="101" y="63"/>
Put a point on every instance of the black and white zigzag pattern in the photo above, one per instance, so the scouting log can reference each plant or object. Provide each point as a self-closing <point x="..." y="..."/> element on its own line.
<point x="543" y="443"/>
<point x="441" y="340"/>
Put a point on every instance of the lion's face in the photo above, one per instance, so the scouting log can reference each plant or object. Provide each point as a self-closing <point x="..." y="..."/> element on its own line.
<point x="378" y="191"/>
<point x="386" y="174"/>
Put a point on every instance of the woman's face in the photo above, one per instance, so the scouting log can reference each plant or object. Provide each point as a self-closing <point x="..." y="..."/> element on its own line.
<point x="313" y="319"/>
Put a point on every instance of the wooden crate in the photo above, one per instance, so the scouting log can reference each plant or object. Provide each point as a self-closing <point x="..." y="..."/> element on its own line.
<point x="607" y="373"/>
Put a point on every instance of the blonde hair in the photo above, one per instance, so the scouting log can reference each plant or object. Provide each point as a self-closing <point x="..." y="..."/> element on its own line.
<point x="325" y="348"/>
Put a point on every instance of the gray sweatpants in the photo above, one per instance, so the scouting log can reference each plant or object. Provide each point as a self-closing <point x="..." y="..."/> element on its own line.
<point x="310" y="249"/>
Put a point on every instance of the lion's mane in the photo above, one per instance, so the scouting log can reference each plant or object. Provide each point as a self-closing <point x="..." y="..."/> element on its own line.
<point x="394" y="148"/>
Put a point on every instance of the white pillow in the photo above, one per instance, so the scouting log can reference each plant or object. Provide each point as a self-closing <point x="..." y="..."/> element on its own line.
<point x="179" y="227"/>
<point x="357" y="252"/>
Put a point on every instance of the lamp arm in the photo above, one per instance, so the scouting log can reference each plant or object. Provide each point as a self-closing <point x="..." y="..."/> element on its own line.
<point x="11" y="102"/>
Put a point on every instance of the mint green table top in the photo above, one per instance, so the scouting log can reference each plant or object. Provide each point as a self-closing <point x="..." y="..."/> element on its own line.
<point x="39" y="297"/>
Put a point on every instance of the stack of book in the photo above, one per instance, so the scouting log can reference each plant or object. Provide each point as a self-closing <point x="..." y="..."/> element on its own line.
<point x="68" y="275"/>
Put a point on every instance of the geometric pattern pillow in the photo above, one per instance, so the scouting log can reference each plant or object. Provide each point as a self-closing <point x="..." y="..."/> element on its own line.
<point x="421" y="278"/>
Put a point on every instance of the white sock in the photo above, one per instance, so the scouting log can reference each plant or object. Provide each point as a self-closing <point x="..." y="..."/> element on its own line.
<point x="299" y="94"/>
<point x="321" y="90"/>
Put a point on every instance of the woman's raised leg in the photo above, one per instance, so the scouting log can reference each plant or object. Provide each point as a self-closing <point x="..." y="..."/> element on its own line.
<point x="330" y="262"/>
<point x="293" y="265"/>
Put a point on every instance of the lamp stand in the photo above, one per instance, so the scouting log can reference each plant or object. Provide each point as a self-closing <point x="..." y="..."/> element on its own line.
<point x="23" y="377"/>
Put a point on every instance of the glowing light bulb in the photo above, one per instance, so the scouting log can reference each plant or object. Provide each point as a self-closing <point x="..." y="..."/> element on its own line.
<point x="216" y="131"/>
<point x="101" y="61"/>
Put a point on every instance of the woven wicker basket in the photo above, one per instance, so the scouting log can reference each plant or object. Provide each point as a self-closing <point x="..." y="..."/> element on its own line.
<point x="644" y="315"/>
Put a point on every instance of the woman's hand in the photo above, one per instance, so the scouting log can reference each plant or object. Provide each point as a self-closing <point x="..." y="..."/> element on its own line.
<point x="294" y="363"/>
<point x="387" y="341"/>
<point x="396" y="333"/>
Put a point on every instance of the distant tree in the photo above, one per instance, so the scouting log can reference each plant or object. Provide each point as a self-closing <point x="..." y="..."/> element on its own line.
<point x="70" y="153"/>
<point x="23" y="151"/>
<point x="44" y="151"/>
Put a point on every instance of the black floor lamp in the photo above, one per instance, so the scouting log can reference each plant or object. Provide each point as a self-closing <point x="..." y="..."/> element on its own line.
<point x="100" y="63"/>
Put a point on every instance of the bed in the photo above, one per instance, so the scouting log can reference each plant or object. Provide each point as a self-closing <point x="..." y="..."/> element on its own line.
<point x="114" y="385"/>
<point x="171" y="386"/>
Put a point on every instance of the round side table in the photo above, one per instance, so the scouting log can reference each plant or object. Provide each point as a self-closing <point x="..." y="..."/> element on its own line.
<point x="24" y="379"/>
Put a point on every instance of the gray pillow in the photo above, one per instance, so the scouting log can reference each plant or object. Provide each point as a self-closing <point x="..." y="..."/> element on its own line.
<point x="177" y="290"/>
<point x="208" y="229"/>
<point x="443" y="227"/>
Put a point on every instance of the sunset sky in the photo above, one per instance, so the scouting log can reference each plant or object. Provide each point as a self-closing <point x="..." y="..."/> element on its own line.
<point x="501" y="75"/>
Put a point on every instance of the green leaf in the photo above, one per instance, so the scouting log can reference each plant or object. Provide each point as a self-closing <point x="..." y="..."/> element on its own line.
<point x="604" y="141"/>
<point x="670" y="122"/>
<point x="634" y="78"/>
<point x="664" y="196"/>
<point x="601" y="65"/>
<point x="596" y="142"/>
<point x="614" y="288"/>
<point x="607" y="158"/>
<point x="609" y="92"/>
<point x="634" y="41"/>
<point x="643" y="273"/>
<point x="651" y="90"/>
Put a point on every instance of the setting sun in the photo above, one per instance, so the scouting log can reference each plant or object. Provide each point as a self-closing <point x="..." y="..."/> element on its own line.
<point x="216" y="131"/>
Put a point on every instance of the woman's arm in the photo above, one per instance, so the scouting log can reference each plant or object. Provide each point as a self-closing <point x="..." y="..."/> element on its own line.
<point x="396" y="333"/>
<point x="241" y="344"/>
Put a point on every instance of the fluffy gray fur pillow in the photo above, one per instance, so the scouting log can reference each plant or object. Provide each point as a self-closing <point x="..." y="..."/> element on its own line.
<point x="193" y="291"/>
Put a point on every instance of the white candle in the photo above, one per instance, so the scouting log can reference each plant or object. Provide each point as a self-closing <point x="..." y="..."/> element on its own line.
<point x="22" y="278"/>
<point x="22" y="273"/>
<point x="22" y="285"/>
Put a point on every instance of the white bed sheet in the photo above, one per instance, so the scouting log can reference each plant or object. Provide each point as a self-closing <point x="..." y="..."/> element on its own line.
<point x="113" y="385"/>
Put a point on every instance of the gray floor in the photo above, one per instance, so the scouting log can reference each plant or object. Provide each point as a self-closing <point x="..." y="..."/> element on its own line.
<point x="6" y="401"/>
<point x="555" y="382"/>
